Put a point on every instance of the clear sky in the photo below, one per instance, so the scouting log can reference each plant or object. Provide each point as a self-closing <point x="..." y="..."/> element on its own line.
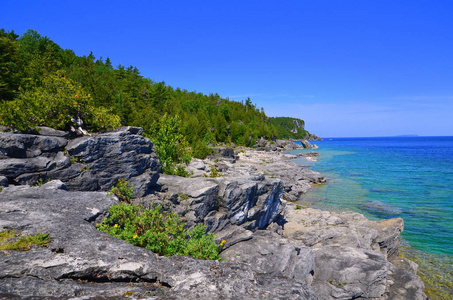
<point x="347" y="67"/>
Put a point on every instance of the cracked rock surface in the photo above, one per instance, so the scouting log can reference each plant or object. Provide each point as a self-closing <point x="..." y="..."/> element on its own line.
<point x="84" y="262"/>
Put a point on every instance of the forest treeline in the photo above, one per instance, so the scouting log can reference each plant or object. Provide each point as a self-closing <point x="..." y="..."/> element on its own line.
<point x="43" y="84"/>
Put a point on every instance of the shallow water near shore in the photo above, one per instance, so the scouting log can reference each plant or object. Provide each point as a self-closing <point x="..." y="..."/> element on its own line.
<point x="389" y="177"/>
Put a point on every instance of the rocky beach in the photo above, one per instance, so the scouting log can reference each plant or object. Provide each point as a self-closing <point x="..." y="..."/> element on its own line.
<point x="274" y="248"/>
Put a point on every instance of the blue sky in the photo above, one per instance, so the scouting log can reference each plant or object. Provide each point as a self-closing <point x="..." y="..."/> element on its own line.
<point x="348" y="68"/>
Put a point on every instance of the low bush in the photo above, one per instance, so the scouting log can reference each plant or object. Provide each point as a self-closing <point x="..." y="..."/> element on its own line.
<point x="123" y="190"/>
<point x="160" y="231"/>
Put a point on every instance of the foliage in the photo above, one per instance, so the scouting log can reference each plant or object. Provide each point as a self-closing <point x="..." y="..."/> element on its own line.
<point x="289" y="127"/>
<point x="9" y="66"/>
<point x="213" y="172"/>
<point x="57" y="104"/>
<point x="6" y="234"/>
<point x="22" y="243"/>
<point x="183" y="197"/>
<point x="40" y="182"/>
<point x="159" y="231"/>
<point x="123" y="190"/>
<point x="170" y="145"/>
<point x="201" y="150"/>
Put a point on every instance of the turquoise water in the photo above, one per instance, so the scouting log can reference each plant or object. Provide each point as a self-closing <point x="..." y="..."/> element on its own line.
<point x="407" y="177"/>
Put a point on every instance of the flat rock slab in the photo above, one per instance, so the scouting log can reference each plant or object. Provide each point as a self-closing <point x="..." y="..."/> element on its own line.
<point x="269" y="253"/>
<point x="348" y="273"/>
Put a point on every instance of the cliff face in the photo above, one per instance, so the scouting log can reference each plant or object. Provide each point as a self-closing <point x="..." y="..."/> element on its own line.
<point x="272" y="249"/>
<point x="87" y="163"/>
<point x="292" y="128"/>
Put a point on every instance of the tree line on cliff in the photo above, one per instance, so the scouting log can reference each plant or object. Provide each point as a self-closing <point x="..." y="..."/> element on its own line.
<point x="43" y="84"/>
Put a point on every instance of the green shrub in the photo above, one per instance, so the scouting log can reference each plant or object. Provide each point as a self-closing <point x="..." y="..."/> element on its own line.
<point x="123" y="190"/>
<point x="57" y="104"/>
<point x="201" y="150"/>
<point x="171" y="146"/>
<point x="159" y="231"/>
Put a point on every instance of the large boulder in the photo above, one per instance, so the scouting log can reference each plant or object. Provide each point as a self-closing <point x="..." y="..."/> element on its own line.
<point x="306" y="144"/>
<point x="29" y="145"/>
<point x="287" y="145"/>
<point x="88" y="163"/>
<point x="250" y="201"/>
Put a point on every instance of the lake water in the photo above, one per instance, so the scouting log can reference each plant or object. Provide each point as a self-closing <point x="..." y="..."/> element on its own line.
<point x="388" y="177"/>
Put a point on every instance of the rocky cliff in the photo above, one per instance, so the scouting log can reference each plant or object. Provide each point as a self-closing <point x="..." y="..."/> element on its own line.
<point x="88" y="163"/>
<point x="272" y="249"/>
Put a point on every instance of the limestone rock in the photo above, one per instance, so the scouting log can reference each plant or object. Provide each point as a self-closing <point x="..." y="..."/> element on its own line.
<point x="306" y="144"/>
<point x="15" y="167"/>
<point x="353" y="255"/>
<point x="296" y="180"/>
<point x="348" y="273"/>
<point x="47" y="131"/>
<point x="269" y="253"/>
<point x="388" y="232"/>
<point x="308" y="154"/>
<point x="87" y="163"/>
<point x="287" y="145"/>
<point x="225" y="154"/>
<point x="249" y="201"/>
<point x="232" y="235"/>
<point x="28" y="145"/>
<point x="320" y="228"/>
<point x="81" y="261"/>
<point x="196" y="167"/>
<point x="405" y="284"/>
<point x="3" y="181"/>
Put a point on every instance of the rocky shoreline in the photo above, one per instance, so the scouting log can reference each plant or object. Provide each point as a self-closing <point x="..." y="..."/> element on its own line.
<point x="274" y="248"/>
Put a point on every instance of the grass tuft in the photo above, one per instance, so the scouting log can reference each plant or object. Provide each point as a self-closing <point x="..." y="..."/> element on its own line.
<point x="10" y="240"/>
